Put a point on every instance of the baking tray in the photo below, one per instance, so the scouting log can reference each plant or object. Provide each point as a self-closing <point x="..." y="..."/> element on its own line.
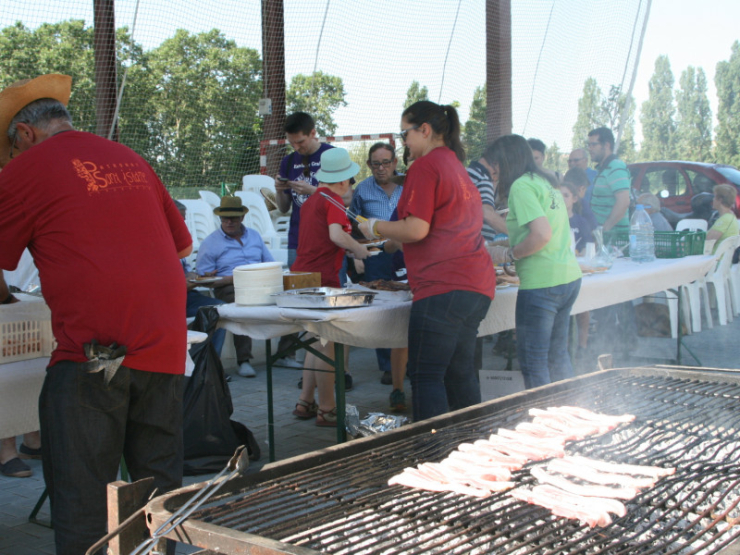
<point x="323" y="298"/>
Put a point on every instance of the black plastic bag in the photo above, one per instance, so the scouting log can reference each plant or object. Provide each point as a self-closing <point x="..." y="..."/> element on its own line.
<point x="210" y="437"/>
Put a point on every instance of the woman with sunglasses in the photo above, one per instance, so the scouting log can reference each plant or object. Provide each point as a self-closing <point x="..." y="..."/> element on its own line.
<point x="539" y="235"/>
<point x="449" y="269"/>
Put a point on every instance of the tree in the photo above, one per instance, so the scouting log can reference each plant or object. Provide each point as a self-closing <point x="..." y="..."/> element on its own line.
<point x="694" y="117"/>
<point x="474" y="130"/>
<point x="554" y="159"/>
<point x="658" y="126"/>
<point x="415" y="93"/>
<point x="320" y="95"/>
<point x="589" y="113"/>
<point x="727" y="80"/>
<point x="205" y="107"/>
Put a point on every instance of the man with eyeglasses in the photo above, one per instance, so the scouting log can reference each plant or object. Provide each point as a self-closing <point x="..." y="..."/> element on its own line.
<point x="232" y="245"/>
<point x="611" y="195"/>
<point x="377" y="197"/>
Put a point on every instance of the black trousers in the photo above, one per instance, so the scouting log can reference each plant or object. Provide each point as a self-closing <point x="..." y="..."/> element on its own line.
<point x="87" y="426"/>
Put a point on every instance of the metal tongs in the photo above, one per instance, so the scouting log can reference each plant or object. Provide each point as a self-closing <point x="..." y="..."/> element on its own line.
<point x="237" y="464"/>
<point x="355" y="217"/>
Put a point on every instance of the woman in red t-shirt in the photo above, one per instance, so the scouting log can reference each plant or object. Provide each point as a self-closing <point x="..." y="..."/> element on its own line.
<point x="450" y="272"/>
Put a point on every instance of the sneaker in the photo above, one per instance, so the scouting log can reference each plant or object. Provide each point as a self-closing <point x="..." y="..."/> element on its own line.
<point x="398" y="400"/>
<point x="287" y="362"/>
<point x="386" y="378"/>
<point x="246" y="370"/>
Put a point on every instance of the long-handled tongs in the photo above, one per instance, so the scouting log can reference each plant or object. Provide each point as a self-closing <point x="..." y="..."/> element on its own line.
<point x="237" y="464"/>
<point x="355" y="217"/>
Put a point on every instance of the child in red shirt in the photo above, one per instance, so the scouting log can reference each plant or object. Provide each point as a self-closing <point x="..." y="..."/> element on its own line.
<point x="322" y="241"/>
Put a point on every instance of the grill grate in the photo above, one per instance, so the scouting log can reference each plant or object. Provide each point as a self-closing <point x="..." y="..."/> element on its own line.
<point x="345" y="506"/>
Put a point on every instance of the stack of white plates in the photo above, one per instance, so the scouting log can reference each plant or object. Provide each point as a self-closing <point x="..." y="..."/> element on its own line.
<point x="255" y="283"/>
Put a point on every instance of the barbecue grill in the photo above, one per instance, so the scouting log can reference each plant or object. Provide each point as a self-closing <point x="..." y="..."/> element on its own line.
<point x="337" y="500"/>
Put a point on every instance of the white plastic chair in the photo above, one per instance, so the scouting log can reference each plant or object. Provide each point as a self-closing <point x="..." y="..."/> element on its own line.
<point x="200" y="222"/>
<point x="214" y="201"/>
<point x="691" y="224"/>
<point x="258" y="218"/>
<point x="254" y="183"/>
<point x="718" y="282"/>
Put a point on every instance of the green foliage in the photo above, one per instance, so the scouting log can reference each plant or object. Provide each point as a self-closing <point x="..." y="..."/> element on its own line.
<point x="320" y="95"/>
<point x="727" y="80"/>
<point x="658" y="126"/>
<point x="358" y="154"/>
<point x="694" y="117"/>
<point x="205" y="108"/>
<point x="474" y="130"/>
<point x="415" y="93"/>
<point x="598" y="110"/>
<point x="555" y="160"/>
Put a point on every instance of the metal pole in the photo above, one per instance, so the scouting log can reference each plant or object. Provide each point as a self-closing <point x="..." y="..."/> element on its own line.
<point x="104" y="44"/>
<point x="498" y="68"/>
<point x="273" y="77"/>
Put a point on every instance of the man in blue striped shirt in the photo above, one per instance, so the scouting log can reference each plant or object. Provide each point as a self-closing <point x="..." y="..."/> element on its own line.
<point x="483" y="175"/>
<point x="377" y="197"/>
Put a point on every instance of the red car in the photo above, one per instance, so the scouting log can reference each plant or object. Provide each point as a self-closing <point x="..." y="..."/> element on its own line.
<point x="674" y="183"/>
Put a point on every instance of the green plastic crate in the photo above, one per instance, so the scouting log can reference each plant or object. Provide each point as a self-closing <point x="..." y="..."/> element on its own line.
<point x="668" y="244"/>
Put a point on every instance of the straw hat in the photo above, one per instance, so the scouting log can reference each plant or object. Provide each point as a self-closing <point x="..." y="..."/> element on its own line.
<point x="17" y="96"/>
<point x="336" y="166"/>
<point x="270" y="199"/>
<point x="231" y="206"/>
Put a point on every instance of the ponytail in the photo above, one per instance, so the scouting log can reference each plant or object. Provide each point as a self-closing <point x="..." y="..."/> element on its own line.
<point x="443" y="121"/>
<point x="452" y="136"/>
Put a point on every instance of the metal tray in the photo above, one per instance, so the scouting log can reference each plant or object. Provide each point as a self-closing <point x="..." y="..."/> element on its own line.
<point x="323" y="298"/>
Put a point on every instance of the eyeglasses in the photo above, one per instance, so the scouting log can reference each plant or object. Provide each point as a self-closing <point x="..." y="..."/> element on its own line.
<point x="384" y="163"/>
<point x="232" y="219"/>
<point x="405" y="132"/>
<point x="574" y="160"/>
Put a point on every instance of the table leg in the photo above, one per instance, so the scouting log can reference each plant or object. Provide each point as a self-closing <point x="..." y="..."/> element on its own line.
<point x="270" y="409"/>
<point x="340" y="390"/>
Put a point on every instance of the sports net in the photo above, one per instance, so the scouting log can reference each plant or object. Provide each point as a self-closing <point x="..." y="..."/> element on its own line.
<point x="194" y="71"/>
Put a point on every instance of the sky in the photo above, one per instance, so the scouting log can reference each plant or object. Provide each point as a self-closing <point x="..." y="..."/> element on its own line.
<point x="379" y="47"/>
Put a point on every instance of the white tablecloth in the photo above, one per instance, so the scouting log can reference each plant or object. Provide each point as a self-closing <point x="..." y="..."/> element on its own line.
<point x="385" y="322"/>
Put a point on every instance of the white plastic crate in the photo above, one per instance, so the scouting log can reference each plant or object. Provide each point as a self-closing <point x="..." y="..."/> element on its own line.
<point x="25" y="331"/>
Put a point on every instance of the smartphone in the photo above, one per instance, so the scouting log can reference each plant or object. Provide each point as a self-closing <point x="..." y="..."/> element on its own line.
<point x="282" y="179"/>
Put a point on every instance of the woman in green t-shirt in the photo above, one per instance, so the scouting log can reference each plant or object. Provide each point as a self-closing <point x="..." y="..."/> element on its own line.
<point x="726" y="226"/>
<point x="540" y="245"/>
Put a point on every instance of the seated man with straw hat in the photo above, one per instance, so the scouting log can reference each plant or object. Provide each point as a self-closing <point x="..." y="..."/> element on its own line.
<point x="107" y="240"/>
<point x="232" y="245"/>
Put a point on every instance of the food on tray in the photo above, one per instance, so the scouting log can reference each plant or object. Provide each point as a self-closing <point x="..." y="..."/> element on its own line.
<point x="385" y="285"/>
<point x="506" y="279"/>
<point x="586" y="269"/>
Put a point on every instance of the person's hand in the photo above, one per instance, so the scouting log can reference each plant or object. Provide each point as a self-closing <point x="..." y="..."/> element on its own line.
<point x="281" y="185"/>
<point x="498" y="254"/>
<point x="359" y="266"/>
<point x="361" y="253"/>
<point x="367" y="228"/>
<point x="302" y="187"/>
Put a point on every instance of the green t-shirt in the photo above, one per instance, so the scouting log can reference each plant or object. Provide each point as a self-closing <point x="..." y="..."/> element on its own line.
<point x="532" y="197"/>
<point x="727" y="224"/>
<point x="613" y="178"/>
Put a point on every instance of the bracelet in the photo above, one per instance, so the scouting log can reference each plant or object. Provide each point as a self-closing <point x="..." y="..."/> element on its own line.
<point x="9" y="299"/>
<point x="375" y="229"/>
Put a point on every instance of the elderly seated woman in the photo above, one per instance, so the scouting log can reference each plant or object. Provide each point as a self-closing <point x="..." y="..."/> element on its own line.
<point x="652" y="207"/>
<point x="726" y="226"/>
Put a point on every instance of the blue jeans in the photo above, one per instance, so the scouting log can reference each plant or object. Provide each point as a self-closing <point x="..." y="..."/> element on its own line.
<point x="542" y="321"/>
<point x="87" y="426"/>
<point x="442" y="332"/>
<point x="196" y="300"/>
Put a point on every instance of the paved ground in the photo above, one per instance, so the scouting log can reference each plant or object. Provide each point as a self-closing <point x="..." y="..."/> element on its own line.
<point x="718" y="347"/>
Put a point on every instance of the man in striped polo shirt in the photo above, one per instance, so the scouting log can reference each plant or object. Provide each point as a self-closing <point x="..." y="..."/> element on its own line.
<point x="611" y="196"/>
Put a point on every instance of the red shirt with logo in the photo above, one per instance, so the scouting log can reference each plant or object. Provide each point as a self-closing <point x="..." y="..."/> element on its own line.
<point x="452" y="257"/>
<point x="104" y="234"/>
<point x="316" y="251"/>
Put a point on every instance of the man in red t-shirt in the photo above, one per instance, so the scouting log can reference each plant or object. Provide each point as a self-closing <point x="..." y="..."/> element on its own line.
<point x="107" y="240"/>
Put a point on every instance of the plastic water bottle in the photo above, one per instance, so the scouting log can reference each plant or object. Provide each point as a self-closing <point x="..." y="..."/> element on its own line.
<point x="642" y="236"/>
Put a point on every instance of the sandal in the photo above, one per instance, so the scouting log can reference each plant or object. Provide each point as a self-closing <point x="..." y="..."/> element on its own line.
<point x="305" y="410"/>
<point x="327" y="418"/>
<point x="15" y="468"/>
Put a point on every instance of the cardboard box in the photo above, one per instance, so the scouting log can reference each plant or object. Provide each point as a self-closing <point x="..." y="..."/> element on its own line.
<point x="499" y="383"/>
<point x="300" y="280"/>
